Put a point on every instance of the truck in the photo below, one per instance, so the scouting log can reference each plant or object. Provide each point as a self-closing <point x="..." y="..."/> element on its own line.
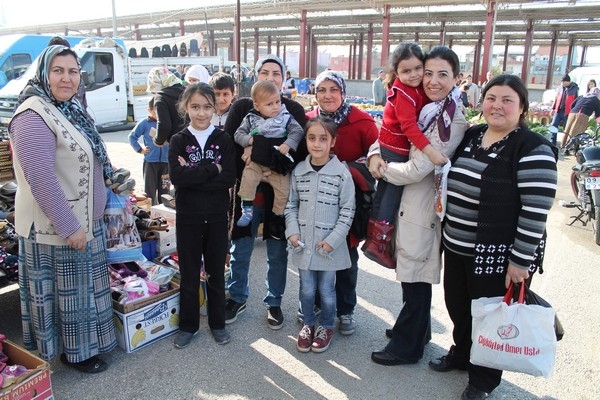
<point x="115" y="84"/>
<point x="17" y="52"/>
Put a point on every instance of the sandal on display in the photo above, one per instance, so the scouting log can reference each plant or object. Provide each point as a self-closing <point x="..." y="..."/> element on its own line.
<point x="148" y="235"/>
<point x="152" y="224"/>
<point x="140" y="212"/>
<point x="168" y="201"/>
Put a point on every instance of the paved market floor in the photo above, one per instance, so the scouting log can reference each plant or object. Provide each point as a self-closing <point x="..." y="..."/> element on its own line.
<point x="263" y="364"/>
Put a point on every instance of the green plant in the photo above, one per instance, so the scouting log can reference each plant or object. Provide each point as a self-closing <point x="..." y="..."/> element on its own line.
<point x="537" y="127"/>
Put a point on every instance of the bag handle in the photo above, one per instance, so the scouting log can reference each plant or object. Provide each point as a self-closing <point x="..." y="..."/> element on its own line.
<point x="509" y="293"/>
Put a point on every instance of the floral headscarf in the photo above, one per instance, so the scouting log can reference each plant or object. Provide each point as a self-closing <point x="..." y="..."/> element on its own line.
<point x="160" y="78"/>
<point x="339" y="115"/>
<point x="71" y="109"/>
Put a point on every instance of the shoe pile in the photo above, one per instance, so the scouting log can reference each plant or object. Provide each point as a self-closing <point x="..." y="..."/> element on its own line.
<point x="120" y="182"/>
<point x="129" y="282"/>
<point x="9" y="238"/>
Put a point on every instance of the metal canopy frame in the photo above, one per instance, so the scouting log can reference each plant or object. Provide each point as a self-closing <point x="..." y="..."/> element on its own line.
<point x="340" y="22"/>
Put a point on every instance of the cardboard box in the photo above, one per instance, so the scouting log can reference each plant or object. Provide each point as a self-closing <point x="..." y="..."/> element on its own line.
<point x="166" y="245"/>
<point x="162" y="211"/>
<point x="146" y="321"/>
<point x="35" y="384"/>
<point x="166" y="233"/>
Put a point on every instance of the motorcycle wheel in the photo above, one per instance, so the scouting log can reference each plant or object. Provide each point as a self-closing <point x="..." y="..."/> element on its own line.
<point x="575" y="185"/>
<point x="596" y="224"/>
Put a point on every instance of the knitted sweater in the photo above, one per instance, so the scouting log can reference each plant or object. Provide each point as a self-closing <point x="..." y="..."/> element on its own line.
<point x="400" y="115"/>
<point x="499" y="199"/>
<point x="321" y="207"/>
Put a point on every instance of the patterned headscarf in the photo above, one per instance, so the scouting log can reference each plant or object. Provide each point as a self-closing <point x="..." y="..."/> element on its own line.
<point x="442" y="112"/>
<point x="339" y="115"/>
<point x="160" y="78"/>
<point x="71" y="109"/>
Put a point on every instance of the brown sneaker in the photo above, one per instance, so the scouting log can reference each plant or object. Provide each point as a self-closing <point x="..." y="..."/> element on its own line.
<point x="322" y="339"/>
<point x="305" y="338"/>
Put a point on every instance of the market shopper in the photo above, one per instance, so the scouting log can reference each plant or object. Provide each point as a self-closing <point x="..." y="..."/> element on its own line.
<point x="581" y="110"/>
<point x="202" y="165"/>
<point x="167" y="88"/>
<point x="224" y="87"/>
<point x="63" y="273"/>
<point x="501" y="187"/>
<point x="156" y="163"/>
<point x="269" y="68"/>
<point x="419" y="229"/>
<point x="379" y="91"/>
<point x="399" y="130"/>
<point x="356" y="132"/>
<point x="197" y="73"/>
<point x="565" y="97"/>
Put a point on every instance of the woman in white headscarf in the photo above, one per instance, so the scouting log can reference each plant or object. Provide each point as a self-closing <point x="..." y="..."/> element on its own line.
<point x="197" y="73"/>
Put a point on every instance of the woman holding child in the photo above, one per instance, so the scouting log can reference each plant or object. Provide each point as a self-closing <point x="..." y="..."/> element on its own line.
<point x="418" y="233"/>
<point x="356" y="131"/>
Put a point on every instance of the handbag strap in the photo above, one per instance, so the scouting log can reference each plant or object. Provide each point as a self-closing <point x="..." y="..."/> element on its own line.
<point x="508" y="297"/>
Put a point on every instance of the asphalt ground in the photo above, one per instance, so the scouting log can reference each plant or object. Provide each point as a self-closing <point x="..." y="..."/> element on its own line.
<point x="260" y="363"/>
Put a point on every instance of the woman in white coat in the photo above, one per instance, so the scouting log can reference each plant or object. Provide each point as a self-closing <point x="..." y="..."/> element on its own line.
<point x="418" y="236"/>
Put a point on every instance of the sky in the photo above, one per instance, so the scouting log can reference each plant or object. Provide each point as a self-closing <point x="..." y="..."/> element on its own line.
<point x="12" y="13"/>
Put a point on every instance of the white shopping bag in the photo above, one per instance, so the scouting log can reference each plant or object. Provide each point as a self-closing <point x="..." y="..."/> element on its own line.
<point x="518" y="337"/>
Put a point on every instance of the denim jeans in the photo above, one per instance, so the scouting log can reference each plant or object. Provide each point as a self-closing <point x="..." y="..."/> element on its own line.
<point x="325" y="281"/>
<point x="560" y="118"/>
<point x="345" y="286"/>
<point x="241" y="253"/>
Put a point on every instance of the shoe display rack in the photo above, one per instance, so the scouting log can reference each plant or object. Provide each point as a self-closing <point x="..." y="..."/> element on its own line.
<point x="6" y="171"/>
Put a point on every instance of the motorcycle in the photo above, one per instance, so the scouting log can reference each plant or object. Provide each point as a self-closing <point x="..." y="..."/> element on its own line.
<point x="585" y="180"/>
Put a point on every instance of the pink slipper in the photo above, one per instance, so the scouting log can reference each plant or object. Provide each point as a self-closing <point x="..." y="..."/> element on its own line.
<point x="10" y="373"/>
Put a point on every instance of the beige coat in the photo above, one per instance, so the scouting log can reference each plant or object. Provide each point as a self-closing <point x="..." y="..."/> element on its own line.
<point x="418" y="228"/>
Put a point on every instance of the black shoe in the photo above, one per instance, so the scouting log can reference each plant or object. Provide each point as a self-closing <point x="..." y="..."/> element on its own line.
<point x="275" y="318"/>
<point x="472" y="393"/>
<point x="389" y="333"/>
<point x="232" y="310"/>
<point x="277" y="227"/>
<point x="385" y="358"/>
<point x="447" y="363"/>
<point x="92" y="365"/>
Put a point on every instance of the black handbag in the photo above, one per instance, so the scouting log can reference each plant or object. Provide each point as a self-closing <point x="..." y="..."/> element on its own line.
<point x="533" y="298"/>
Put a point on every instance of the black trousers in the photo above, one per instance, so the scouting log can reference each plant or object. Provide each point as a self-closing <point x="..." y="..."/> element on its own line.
<point x="156" y="180"/>
<point x="412" y="330"/>
<point x="194" y="241"/>
<point x="461" y="285"/>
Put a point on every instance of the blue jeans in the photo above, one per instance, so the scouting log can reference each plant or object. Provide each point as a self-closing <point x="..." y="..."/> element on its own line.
<point x="325" y="281"/>
<point x="241" y="253"/>
<point x="345" y="286"/>
<point x="560" y="118"/>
